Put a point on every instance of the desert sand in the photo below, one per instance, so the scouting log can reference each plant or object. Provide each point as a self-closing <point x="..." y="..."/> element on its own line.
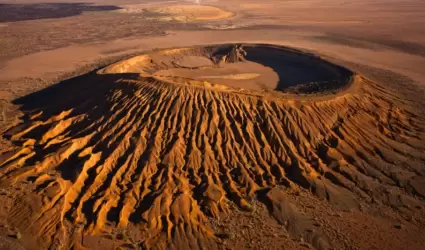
<point x="181" y="13"/>
<point x="212" y="125"/>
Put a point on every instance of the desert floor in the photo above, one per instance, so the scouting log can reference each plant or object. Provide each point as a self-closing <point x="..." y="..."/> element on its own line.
<point x="191" y="125"/>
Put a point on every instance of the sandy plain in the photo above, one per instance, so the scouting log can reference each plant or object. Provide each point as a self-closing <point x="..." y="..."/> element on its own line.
<point x="137" y="124"/>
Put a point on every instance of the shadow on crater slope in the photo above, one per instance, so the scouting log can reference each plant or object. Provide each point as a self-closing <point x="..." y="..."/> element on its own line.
<point x="298" y="72"/>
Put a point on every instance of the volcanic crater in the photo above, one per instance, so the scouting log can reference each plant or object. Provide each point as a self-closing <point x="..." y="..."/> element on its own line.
<point x="260" y="67"/>
<point x="164" y="142"/>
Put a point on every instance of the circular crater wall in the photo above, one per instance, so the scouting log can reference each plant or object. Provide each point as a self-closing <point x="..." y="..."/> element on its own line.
<point x="252" y="67"/>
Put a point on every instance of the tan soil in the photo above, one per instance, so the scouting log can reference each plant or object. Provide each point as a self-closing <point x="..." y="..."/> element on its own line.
<point x="137" y="145"/>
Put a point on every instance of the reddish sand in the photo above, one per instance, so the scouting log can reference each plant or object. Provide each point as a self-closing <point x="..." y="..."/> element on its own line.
<point x="242" y="125"/>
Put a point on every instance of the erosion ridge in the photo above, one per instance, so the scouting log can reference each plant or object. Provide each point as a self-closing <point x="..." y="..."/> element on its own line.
<point x="128" y="147"/>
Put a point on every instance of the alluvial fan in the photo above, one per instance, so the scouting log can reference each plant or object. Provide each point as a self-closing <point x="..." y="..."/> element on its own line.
<point x="165" y="141"/>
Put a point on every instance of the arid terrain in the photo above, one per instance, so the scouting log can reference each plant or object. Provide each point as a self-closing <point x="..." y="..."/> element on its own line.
<point x="212" y="124"/>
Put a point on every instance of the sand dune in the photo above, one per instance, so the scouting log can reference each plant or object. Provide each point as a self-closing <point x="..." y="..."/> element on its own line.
<point x="181" y="13"/>
<point x="124" y="147"/>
